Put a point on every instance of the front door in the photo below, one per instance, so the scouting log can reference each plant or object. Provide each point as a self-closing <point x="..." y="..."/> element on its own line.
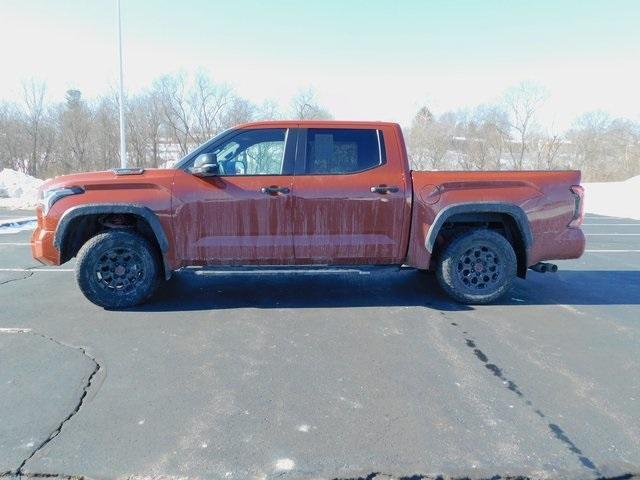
<point x="243" y="214"/>
<point x="351" y="202"/>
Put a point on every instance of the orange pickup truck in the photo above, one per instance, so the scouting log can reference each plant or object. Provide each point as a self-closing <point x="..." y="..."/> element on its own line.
<point x="302" y="193"/>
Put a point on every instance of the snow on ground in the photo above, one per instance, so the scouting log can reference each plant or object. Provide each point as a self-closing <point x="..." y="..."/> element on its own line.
<point x="18" y="190"/>
<point x="16" y="225"/>
<point x="615" y="199"/>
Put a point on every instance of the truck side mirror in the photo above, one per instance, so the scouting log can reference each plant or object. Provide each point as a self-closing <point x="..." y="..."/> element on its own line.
<point x="206" y="165"/>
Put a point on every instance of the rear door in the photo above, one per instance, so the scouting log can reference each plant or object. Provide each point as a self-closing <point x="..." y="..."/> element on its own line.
<point x="351" y="197"/>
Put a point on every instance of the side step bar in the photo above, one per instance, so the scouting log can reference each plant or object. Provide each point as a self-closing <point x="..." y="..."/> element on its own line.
<point x="291" y="270"/>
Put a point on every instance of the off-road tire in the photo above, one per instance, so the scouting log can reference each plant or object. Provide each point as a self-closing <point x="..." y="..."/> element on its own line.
<point x="477" y="267"/>
<point x="118" y="269"/>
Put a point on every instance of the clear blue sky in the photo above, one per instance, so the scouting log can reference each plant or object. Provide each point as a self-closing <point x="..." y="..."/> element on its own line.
<point x="365" y="59"/>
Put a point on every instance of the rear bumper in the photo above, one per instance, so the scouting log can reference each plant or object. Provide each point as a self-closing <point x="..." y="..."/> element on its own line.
<point x="567" y="245"/>
<point x="42" y="247"/>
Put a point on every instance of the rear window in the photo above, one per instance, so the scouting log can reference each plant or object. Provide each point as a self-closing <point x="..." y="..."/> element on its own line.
<point x="331" y="151"/>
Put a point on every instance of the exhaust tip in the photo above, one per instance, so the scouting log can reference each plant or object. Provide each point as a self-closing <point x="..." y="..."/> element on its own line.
<point x="542" y="267"/>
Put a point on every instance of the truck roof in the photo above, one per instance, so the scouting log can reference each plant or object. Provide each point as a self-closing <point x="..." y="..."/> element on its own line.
<point x="315" y="123"/>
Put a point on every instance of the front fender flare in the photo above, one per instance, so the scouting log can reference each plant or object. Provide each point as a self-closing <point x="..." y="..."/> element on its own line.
<point x="62" y="229"/>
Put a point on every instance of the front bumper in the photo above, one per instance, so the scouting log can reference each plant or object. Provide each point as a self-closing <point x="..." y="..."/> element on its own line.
<point x="42" y="247"/>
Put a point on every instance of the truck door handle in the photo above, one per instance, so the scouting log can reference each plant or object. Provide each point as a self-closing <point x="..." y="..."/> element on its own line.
<point x="382" y="189"/>
<point x="274" y="189"/>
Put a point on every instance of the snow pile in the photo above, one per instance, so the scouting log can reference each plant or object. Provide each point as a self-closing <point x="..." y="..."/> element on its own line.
<point x="17" y="189"/>
<point x="615" y="199"/>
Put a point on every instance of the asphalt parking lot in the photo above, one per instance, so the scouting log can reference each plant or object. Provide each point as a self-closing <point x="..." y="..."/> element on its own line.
<point x="331" y="376"/>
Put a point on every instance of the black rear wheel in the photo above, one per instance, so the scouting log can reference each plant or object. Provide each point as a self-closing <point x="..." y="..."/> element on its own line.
<point x="477" y="267"/>
<point x="117" y="269"/>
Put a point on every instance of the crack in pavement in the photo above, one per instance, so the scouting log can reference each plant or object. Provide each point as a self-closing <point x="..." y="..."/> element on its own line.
<point x="385" y="476"/>
<point x="43" y="475"/>
<point x="370" y="476"/>
<point x="28" y="274"/>
<point x="20" y="470"/>
<point x="557" y="432"/>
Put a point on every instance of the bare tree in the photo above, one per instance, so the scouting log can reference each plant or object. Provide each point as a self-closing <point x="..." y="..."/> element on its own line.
<point x="172" y="91"/>
<point x="268" y="110"/>
<point x="589" y="138"/>
<point x="239" y="110"/>
<point x="14" y="145"/>
<point x="106" y="135"/>
<point x="624" y="136"/>
<point x="144" y="124"/>
<point x="605" y="148"/>
<point x="493" y="124"/>
<point x="429" y="139"/>
<point x="209" y="103"/>
<point x="522" y="102"/>
<point x="34" y="118"/>
<point x="546" y="150"/>
<point x="304" y="106"/>
<point x="75" y="122"/>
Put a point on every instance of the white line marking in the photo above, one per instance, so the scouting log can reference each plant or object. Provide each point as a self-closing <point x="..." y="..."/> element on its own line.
<point x="278" y="272"/>
<point x="612" y="234"/>
<point x="611" y="224"/>
<point x="36" y="270"/>
<point x="15" y="330"/>
<point x="611" y="251"/>
<point x="23" y="244"/>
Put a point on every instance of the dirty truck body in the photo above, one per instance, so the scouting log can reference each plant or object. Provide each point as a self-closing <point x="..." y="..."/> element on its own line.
<point x="306" y="193"/>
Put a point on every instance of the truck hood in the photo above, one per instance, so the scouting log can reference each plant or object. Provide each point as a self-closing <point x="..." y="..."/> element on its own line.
<point x="109" y="178"/>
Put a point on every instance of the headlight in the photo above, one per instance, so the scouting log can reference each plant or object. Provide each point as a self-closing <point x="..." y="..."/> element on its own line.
<point x="49" y="197"/>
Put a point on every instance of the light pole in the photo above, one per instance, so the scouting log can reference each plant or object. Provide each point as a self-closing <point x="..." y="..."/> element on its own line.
<point x="123" y="140"/>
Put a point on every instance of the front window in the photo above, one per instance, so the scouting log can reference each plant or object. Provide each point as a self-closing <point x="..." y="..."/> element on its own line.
<point x="252" y="152"/>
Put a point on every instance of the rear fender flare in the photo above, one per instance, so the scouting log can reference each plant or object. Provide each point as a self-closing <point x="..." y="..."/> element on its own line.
<point x="514" y="211"/>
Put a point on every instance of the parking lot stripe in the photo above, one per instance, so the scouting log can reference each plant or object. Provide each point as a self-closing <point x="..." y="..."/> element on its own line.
<point x="23" y="244"/>
<point x="612" y="234"/>
<point x="36" y="270"/>
<point x="612" y="251"/>
<point x="611" y="224"/>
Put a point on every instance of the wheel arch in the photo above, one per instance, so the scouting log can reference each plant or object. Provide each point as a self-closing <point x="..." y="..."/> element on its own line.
<point x="513" y="218"/>
<point x="80" y="223"/>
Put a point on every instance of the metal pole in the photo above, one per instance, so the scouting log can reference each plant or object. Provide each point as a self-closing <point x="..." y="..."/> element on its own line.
<point x="123" y="140"/>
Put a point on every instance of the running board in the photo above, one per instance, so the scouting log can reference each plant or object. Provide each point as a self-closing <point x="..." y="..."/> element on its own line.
<point x="289" y="270"/>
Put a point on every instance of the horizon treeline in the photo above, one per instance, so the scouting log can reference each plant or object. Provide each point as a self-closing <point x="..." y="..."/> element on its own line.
<point x="177" y="112"/>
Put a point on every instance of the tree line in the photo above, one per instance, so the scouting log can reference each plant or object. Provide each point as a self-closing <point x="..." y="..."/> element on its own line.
<point x="163" y="123"/>
<point x="507" y="135"/>
<point x="178" y="112"/>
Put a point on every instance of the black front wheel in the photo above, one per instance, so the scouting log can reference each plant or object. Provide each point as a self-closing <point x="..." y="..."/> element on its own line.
<point x="477" y="267"/>
<point x="117" y="269"/>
